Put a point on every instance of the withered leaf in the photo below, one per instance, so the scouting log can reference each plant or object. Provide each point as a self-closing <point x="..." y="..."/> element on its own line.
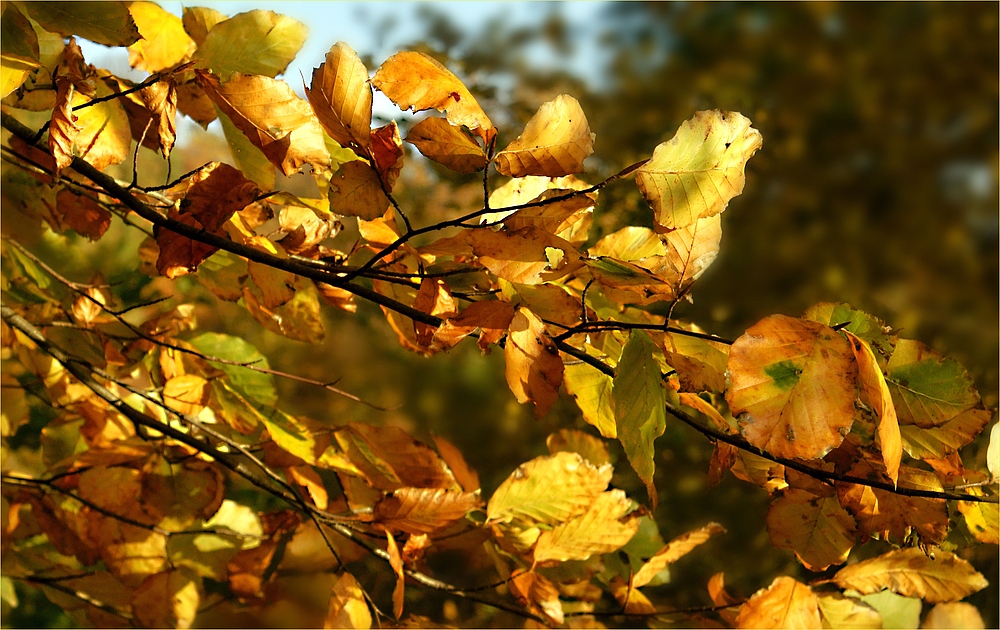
<point x="447" y="145"/>
<point x="555" y="142"/>
<point x="423" y="510"/>
<point x="534" y="369"/>
<point x="342" y="98"/>
<point x="82" y="214"/>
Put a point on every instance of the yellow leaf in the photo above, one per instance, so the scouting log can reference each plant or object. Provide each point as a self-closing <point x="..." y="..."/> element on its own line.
<point x="539" y="594"/>
<point x="848" y="613"/>
<point x="423" y="510"/>
<point x="256" y="42"/>
<point x="347" y="608"/>
<point x="875" y="393"/>
<point x="633" y="601"/>
<point x="308" y="478"/>
<point x="548" y="490"/>
<point x="198" y="21"/>
<point x="589" y="447"/>
<point x="534" y="369"/>
<point x="953" y="615"/>
<point x="164" y="41"/>
<point x="418" y="81"/>
<point x="794" y="383"/>
<point x="816" y="528"/>
<point x="187" y="394"/>
<point x="447" y="145"/>
<point x="105" y="135"/>
<point x="396" y="561"/>
<point x="928" y="389"/>
<point x="466" y="476"/>
<point x="389" y="458"/>
<point x="591" y="389"/>
<point x="696" y="173"/>
<point x="911" y="573"/>
<point x="555" y="142"/>
<point x="251" y="161"/>
<point x="629" y="244"/>
<point x="993" y="452"/>
<point x="630" y="283"/>
<point x="298" y="318"/>
<point x="603" y="528"/>
<point x="168" y="599"/>
<point x="941" y="441"/>
<point x="107" y="23"/>
<point x="276" y="285"/>
<point x="355" y="191"/>
<point x="673" y="551"/>
<point x="700" y="364"/>
<point x="275" y="120"/>
<point x="787" y="603"/>
<point x="523" y="256"/>
<point x="690" y="250"/>
<point x="982" y="519"/>
<point x="342" y="98"/>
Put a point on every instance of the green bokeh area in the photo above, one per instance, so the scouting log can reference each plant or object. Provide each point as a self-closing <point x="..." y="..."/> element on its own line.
<point x="876" y="186"/>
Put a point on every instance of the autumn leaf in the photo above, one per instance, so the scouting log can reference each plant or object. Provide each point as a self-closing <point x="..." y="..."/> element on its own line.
<point x="527" y="256"/>
<point x="603" y="528"/>
<point x="927" y="389"/>
<point x="390" y="459"/>
<point x="696" y="173"/>
<point x="423" y="510"/>
<point x="413" y="80"/>
<point x="816" y="528"/>
<point x="342" y="98"/>
<point x="555" y="142"/>
<point x="534" y="369"/>
<point x="491" y="317"/>
<point x="875" y="393"/>
<point x="107" y="23"/>
<point x="538" y="593"/>
<point x="274" y="119"/>
<point x="298" y="318"/>
<point x="592" y="391"/>
<point x="630" y="283"/>
<point x="105" y="136"/>
<point x="629" y="244"/>
<point x="589" y="447"/>
<point x="198" y="21"/>
<point x="982" y="520"/>
<point x="387" y="153"/>
<point x="347" y="607"/>
<point x="186" y="394"/>
<point x="63" y="129"/>
<point x="838" y="611"/>
<point x="700" y="364"/>
<point x="939" y="442"/>
<point x="151" y="114"/>
<point x="674" y="551"/>
<point x="396" y="562"/>
<point x="164" y="41"/>
<point x="82" y="214"/>
<point x="787" y="603"/>
<point x="794" y="383"/>
<point x="690" y="250"/>
<point x="355" y="191"/>
<point x="467" y="477"/>
<point x="19" y="52"/>
<point x="447" y="145"/>
<point x="910" y="572"/>
<point x="873" y="330"/>
<point x="255" y="43"/>
<point x="640" y="406"/>
<point x="168" y="599"/>
<point x="953" y="615"/>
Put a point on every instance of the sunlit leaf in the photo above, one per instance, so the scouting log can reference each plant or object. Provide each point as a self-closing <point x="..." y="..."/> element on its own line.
<point x="939" y="442"/>
<point x="107" y="23"/>
<point x="186" y="394"/>
<point x="674" y="551"/>
<point x="168" y="599"/>
<point x="257" y="386"/>
<point x="555" y="142"/>
<point x="629" y="244"/>
<point x="19" y="53"/>
<point x="465" y="475"/>
<point x="105" y="135"/>
<point x="873" y="330"/>
<point x="953" y="615"/>
<point x="523" y="256"/>
<point x="928" y="389"/>
<point x="700" y="364"/>
<point x="347" y="608"/>
<point x="413" y="80"/>
<point x="787" y="603"/>
<point x="539" y="594"/>
<point x="63" y="129"/>
<point x="198" y="21"/>
<point x="910" y="572"/>
<point x="292" y="435"/>
<point x="794" y="383"/>
<point x="592" y="391"/>
<point x="534" y="369"/>
<point x="816" y="528"/>
<point x="690" y="250"/>
<point x="696" y="173"/>
<point x="164" y="41"/>
<point x="640" y="412"/>
<point x="251" y="161"/>
<point x="387" y="153"/>
<point x="491" y="317"/>
<point x="255" y="42"/>
<point x="447" y="145"/>
<point x="875" y="393"/>
<point x="355" y="191"/>
<point x="603" y="528"/>
<point x="390" y="459"/>
<point x="993" y="451"/>
<point x="299" y="318"/>
<point x="982" y="519"/>
<point x="630" y="283"/>
<point x="589" y="447"/>
<point x="342" y="98"/>
<point x="838" y="611"/>
<point x="396" y="562"/>
<point x="423" y="510"/>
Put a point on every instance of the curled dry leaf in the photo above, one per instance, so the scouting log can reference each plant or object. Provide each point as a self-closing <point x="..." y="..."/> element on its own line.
<point x="342" y="98"/>
<point x="875" y="393"/>
<point x="911" y="573"/>
<point x="555" y="142"/>
<point x="63" y="129"/>
<point x="697" y="172"/>
<point x="794" y="383"/>
<point x="534" y="369"/>
<point x="418" y="81"/>
<point x="447" y="145"/>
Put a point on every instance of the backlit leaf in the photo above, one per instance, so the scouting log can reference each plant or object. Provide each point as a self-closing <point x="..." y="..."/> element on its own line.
<point x="251" y="161"/>
<point x="413" y="80"/>
<point x="816" y="528"/>
<point x="591" y="389"/>
<point x="534" y="369"/>
<point x="168" y="599"/>
<point x="910" y="572"/>
<point x="275" y="120"/>
<point x="82" y="214"/>
<point x="630" y="283"/>
<point x="640" y="412"/>
<point x="555" y="142"/>
<point x="700" y="364"/>
<point x="257" y="386"/>
<point x="875" y="393"/>
<point x="342" y="98"/>
<point x="873" y="330"/>
<point x="794" y="383"/>
<point x="629" y="244"/>
<point x="674" y="551"/>
<point x="466" y="476"/>
<point x="18" y="49"/>
<point x="355" y="191"/>
<point x="953" y="615"/>
<point x="447" y="145"/>
<point x="589" y="447"/>
<point x="993" y="452"/>
<point x="387" y="153"/>
<point x="299" y="318"/>
<point x="198" y="21"/>
<point x="939" y="442"/>
<point x="548" y="490"/>
<point x="164" y="41"/>
<point x="787" y="603"/>
<point x="539" y="594"/>
<point x="292" y="435"/>
<point x="347" y="608"/>
<point x="107" y="23"/>
<point x="423" y="510"/>
<point x="492" y="317"/>
<point x="255" y="42"/>
<point x="524" y="256"/>
<point x="982" y="519"/>
<point x="928" y="389"/>
<point x="389" y="458"/>
<point x="696" y="173"/>
<point x="691" y="249"/>
<point x="603" y="528"/>
<point x="838" y="611"/>
<point x="396" y="561"/>
<point x="187" y="394"/>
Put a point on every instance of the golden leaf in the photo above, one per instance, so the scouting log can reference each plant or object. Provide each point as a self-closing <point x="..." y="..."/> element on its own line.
<point x="603" y="528"/>
<point x="423" y="510"/>
<point x="816" y="528"/>
<point x="396" y="561"/>
<point x="911" y="573"/>
<point x="342" y="98"/>
<point x="63" y="129"/>
<point x="849" y="613"/>
<point x="629" y="244"/>
<point x="198" y="21"/>
<point x="690" y="250"/>
<point x="555" y="142"/>
<point x="524" y="255"/>
<point x="187" y="394"/>
<point x="466" y="476"/>
<point x="534" y="368"/>
<point x="538" y="593"/>
<point x="355" y="191"/>
<point x="164" y="41"/>
<point x="589" y="447"/>
<point x="347" y="608"/>
<point x="447" y="145"/>
<point x="105" y="136"/>
<point x="787" y="603"/>
<point x="491" y="317"/>
<point x="168" y="599"/>
<point x="674" y="551"/>
<point x="875" y="393"/>
<point x="256" y="42"/>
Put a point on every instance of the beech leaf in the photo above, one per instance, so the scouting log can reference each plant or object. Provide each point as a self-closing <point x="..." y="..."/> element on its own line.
<point x="342" y="98"/>
<point x="256" y="42"/>
<point x="792" y="384"/>
<point x="423" y="510"/>
<point x="911" y="573"/>
<point x="928" y="389"/>
<point x="690" y="251"/>
<point x="674" y="551"/>
<point x="696" y="173"/>
<point x="107" y="23"/>
<point x="592" y="391"/>
<point x="447" y="145"/>
<point x="168" y="599"/>
<point x="875" y="393"/>
<point x="787" y="603"/>
<point x="555" y="142"/>
<point x="524" y="256"/>
<point x="603" y="528"/>
<point x="816" y="528"/>
<point x="534" y="369"/>
<point x="164" y="41"/>
<point x="347" y="608"/>
<point x="355" y="191"/>
<point x="953" y="615"/>
<point x="589" y="447"/>
<point x="491" y="317"/>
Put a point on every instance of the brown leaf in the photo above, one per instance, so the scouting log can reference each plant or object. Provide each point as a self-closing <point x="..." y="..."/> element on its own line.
<point x="347" y="608"/>
<point x="816" y="528"/>
<point x="534" y="368"/>
<point x="418" y="81"/>
<point x="396" y="561"/>
<point x="193" y="102"/>
<point x="272" y="117"/>
<point x="342" y="98"/>
<point x="633" y="601"/>
<point x="787" y="603"/>
<point x="178" y="255"/>
<point x="387" y="153"/>
<point x="434" y="298"/>
<point x="63" y="129"/>
<point x="82" y="214"/>
<point x="555" y="142"/>
<point x="492" y="317"/>
<point x="151" y="113"/>
<point x="355" y="191"/>
<point x="673" y="551"/>
<point x="911" y="573"/>
<point x="447" y="145"/>
<point x="423" y="510"/>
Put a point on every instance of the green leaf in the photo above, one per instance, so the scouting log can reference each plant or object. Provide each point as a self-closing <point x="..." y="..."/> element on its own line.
<point x="591" y="389"/>
<point x="896" y="611"/>
<point x="108" y="23"/>
<point x="640" y="413"/>
<point x="927" y="388"/>
<point x="291" y="435"/>
<point x="256" y="42"/>
<point x="873" y="330"/>
<point x="257" y="386"/>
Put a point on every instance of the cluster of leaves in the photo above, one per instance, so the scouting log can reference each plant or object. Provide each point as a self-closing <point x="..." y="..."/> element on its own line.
<point x="168" y="488"/>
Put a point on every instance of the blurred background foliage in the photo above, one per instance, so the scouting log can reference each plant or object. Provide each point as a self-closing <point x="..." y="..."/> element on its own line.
<point x="877" y="186"/>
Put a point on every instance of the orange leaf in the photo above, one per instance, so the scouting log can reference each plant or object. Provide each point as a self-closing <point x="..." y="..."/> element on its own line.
<point x="396" y="561"/>
<point x="492" y="317"/>
<point x="673" y="551"/>
<point x="816" y="528"/>
<point x="347" y="608"/>
<point x="555" y="142"/>
<point x="447" y="145"/>
<point x="433" y="297"/>
<point x="534" y="368"/>
<point x="308" y="478"/>
<point x="168" y="599"/>
<point x="538" y="593"/>
<point x="911" y="573"/>
<point x="787" y="603"/>
<point x="418" y="81"/>
<point x="875" y="393"/>
<point x="526" y="256"/>
<point x="423" y="510"/>
<point x="466" y="476"/>
<point x="341" y="97"/>
<point x="355" y="191"/>
<point x="82" y="214"/>
<point x="63" y="129"/>
<point x="794" y="383"/>
<point x="187" y="394"/>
